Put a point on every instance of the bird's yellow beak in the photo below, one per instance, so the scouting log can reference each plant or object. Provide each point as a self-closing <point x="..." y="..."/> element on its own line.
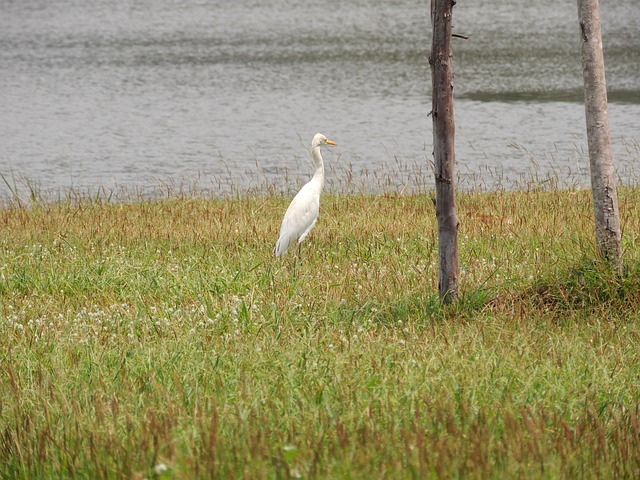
<point x="329" y="142"/>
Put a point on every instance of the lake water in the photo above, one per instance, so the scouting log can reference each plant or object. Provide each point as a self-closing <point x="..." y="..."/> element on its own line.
<point x="225" y="96"/>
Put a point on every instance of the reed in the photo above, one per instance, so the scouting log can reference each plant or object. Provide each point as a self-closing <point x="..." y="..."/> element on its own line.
<point x="160" y="339"/>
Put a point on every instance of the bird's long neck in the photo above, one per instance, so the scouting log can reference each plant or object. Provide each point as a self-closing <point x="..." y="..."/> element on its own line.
<point x="316" y="157"/>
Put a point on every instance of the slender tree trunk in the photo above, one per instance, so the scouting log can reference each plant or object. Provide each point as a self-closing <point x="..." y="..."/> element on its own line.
<point x="603" y="177"/>
<point x="444" y="149"/>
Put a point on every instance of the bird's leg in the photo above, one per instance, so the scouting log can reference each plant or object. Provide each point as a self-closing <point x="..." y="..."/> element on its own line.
<point x="298" y="257"/>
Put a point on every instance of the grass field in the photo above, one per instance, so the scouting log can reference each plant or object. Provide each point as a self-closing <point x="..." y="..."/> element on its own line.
<point x="160" y="339"/>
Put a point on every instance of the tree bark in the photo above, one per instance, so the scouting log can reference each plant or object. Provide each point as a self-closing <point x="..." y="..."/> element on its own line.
<point x="441" y="64"/>
<point x="603" y="176"/>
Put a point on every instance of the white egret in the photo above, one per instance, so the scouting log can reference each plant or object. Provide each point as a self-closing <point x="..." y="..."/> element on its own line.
<point x="302" y="214"/>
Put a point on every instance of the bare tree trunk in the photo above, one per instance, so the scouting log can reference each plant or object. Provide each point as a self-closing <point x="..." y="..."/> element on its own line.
<point x="603" y="178"/>
<point x="444" y="149"/>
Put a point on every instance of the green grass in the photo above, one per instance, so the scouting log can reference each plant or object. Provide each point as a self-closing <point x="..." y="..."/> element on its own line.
<point x="161" y="340"/>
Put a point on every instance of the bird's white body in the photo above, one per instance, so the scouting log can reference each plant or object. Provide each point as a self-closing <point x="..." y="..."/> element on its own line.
<point x="302" y="214"/>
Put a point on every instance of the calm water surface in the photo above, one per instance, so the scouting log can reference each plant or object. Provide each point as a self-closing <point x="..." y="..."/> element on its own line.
<point x="227" y="94"/>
